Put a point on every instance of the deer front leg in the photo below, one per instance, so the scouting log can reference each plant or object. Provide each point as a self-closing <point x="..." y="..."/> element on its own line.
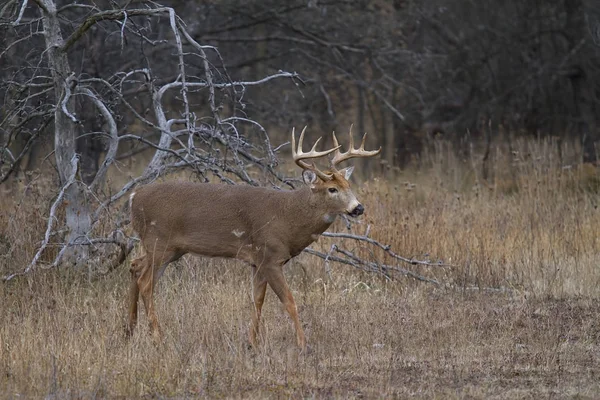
<point x="147" y="281"/>
<point x="136" y="269"/>
<point x="277" y="281"/>
<point x="259" y="290"/>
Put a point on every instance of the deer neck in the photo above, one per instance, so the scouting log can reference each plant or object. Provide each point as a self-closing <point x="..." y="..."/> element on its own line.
<point x="309" y="209"/>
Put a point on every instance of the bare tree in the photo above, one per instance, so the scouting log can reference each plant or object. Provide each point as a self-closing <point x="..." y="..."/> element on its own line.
<point x="44" y="88"/>
<point x="163" y="91"/>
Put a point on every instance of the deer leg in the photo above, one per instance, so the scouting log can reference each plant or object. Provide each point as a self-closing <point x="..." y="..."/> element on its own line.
<point x="136" y="269"/>
<point x="147" y="281"/>
<point x="259" y="290"/>
<point x="280" y="287"/>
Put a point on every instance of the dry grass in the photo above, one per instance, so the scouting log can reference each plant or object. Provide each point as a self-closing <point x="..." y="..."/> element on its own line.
<point x="531" y="230"/>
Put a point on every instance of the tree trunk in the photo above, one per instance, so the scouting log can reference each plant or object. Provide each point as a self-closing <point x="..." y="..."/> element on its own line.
<point x="89" y="149"/>
<point x="77" y="209"/>
<point x="582" y="86"/>
<point x="391" y="128"/>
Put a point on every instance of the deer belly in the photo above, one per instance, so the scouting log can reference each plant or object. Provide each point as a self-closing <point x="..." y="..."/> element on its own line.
<point x="232" y="244"/>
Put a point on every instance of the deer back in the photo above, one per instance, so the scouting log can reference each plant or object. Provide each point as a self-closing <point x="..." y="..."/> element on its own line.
<point x="220" y="220"/>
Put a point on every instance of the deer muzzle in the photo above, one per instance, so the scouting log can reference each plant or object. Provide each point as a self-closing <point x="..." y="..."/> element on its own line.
<point x="358" y="210"/>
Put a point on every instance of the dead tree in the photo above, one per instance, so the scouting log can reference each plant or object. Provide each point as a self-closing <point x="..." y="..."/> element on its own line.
<point x="211" y="146"/>
<point x="190" y="110"/>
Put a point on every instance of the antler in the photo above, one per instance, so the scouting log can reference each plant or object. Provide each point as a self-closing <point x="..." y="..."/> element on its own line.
<point x="338" y="157"/>
<point x="300" y="156"/>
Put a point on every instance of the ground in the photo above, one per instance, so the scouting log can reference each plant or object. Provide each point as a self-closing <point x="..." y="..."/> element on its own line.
<point x="368" y="338"/>
<point x="515" y="313"/>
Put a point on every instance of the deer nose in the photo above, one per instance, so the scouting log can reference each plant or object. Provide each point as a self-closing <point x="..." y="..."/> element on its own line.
<point x="359" y="210"/>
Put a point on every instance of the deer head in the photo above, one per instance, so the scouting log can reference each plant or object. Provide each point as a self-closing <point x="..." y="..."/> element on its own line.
<point x="332" y="185"/>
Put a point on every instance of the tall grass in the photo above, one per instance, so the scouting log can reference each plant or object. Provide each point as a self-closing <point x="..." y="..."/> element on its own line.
<point x="516" y="316"/>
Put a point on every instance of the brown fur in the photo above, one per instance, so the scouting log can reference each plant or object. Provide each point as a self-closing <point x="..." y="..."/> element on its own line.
<point x="263" y="227"/>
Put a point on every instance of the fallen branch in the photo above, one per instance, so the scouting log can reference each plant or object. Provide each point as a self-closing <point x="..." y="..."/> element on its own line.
<point x="125" y="245"/>
<point x="369" y="266"/>
<point x="386" y="270"/>
<point x="386" y="248"/>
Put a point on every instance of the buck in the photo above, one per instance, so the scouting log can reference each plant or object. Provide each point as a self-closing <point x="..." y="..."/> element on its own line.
<point x="263" y="227"/>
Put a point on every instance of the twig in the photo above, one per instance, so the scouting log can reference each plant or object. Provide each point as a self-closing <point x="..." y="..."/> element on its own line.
<point x="109" y="15"/>
<point x="21" y="12"/>
<point x="124" y="23"/>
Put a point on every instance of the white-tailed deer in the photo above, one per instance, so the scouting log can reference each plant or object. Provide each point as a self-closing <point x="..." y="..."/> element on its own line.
<point x="264" y="227"/>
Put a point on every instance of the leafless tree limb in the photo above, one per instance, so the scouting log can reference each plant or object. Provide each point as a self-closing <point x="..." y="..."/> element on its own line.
<point x="114" y="137"/>
<point x="21" y="12"/>
<point x="110" y="15"/>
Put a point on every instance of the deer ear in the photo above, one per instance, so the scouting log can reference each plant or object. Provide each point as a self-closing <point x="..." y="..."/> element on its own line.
<point x="347" y="172"/>
<point x="310" y="178"/>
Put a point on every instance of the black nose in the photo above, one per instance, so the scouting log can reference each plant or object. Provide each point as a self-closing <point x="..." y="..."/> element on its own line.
<point x="359" y="210"/>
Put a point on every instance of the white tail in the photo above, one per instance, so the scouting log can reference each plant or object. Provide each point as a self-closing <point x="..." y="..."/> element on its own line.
<point x="264" y="227"/>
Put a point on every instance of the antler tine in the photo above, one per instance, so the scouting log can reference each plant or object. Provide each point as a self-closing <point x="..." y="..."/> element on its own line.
<point x="352" y="152"/>
<point x="362" y="143"/>
<point x="335" y="141"/>
<point x="299" y="155"/>
<point x="301" y="139"/>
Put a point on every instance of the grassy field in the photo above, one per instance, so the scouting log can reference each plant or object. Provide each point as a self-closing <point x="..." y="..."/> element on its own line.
<point x="517" y="316"/>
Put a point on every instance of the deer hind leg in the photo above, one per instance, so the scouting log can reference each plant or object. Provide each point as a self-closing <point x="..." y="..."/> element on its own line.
<point x="137" y="266"/>
<point x="259" y="290"/>
<point x="154" y="267"/>
<point x="280" y="287"/>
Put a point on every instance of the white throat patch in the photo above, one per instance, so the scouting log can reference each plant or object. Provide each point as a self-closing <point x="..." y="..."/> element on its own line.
<point x="329" y="218"/>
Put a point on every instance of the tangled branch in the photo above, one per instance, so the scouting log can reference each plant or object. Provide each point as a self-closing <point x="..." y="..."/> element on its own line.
<point x="388" y="271"/>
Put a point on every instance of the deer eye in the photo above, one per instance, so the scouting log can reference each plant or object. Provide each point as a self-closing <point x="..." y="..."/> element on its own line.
<point x="333" y="190"/>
